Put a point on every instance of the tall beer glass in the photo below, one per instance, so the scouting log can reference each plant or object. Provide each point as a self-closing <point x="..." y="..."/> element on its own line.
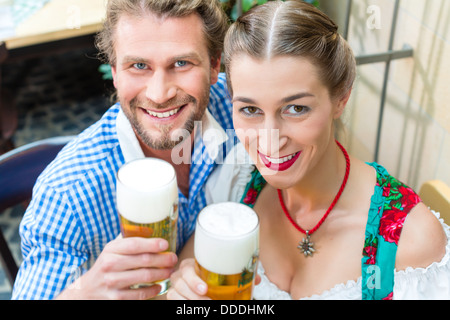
<point x="147" y="201"/>
<point x="226" y="248"/>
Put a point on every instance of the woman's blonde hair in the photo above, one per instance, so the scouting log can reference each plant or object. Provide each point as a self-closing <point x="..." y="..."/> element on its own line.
<point x="293" y="28"/>
<point x="211" y="12"/>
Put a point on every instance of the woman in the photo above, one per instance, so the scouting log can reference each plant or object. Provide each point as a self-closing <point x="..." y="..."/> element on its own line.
<point x="331" y="225"/>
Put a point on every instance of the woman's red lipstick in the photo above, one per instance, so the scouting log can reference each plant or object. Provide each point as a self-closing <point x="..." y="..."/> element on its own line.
<point x="283" y="165"/>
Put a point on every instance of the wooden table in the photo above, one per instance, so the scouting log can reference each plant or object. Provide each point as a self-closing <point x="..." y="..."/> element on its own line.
<point x="59" y="26"/>
<point x="59" y="20"/>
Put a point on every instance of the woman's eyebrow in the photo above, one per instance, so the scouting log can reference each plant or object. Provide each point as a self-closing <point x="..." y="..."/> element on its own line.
<point x="283" y="100"/>
<point x="296" y="96"/>
<point x="244" y="100"/>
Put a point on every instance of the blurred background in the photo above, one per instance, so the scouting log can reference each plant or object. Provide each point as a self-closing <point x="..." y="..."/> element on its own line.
<point x="52" y="83"/>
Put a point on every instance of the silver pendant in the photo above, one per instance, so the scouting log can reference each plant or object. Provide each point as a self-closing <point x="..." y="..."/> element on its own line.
<point x="306" y="246"/>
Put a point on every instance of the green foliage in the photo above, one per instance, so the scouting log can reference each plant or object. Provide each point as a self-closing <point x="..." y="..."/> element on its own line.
<point x="106" y="70"/>
<point x="313" y="2"/>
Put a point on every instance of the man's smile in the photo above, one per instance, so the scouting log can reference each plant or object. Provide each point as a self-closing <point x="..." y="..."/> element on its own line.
<point x="164" y="114"/>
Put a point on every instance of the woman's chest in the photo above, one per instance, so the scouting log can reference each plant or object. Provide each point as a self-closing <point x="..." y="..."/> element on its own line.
<point x="338" y="247"/>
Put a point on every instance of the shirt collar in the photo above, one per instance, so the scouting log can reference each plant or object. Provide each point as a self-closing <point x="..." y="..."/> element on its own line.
<point x="213" y="136"/>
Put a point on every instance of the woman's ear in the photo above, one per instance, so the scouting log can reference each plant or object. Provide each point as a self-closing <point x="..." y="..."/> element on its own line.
<point x="342" y="102"/>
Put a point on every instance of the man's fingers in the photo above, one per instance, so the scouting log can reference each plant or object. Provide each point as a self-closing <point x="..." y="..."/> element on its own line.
<point x="136" y="245"/>
<point x="143" y="293"/>
<point x="116" y="263"/>
<point x="152" y="260"/>
<point x="130" y="278"/>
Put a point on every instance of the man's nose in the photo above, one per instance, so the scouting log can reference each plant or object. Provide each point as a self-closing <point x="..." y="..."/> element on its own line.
<point x="160" y="88"/>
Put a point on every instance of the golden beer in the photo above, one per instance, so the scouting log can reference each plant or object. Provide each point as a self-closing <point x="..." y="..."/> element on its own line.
<point x="228" y="287"/>
<point x="165" y="229"/>
<point x="147" y="202"/>
<point x="226" y="250"/>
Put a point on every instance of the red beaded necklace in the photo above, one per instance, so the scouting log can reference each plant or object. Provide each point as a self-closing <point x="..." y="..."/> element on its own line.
<point x="306" y="246"/>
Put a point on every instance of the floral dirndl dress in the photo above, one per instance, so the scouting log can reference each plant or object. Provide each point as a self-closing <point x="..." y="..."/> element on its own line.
<point x="390" y="204"/>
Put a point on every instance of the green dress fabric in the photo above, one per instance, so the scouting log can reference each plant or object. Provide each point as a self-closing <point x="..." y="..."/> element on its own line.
<point x="390" y="204"/>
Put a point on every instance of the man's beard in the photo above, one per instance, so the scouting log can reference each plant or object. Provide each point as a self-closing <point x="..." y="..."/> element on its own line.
<point x="165" y="140"/>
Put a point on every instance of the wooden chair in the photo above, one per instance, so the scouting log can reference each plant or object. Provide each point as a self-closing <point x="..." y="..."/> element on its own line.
<point x="436" y="195"/>
<point x="19" y="169"/>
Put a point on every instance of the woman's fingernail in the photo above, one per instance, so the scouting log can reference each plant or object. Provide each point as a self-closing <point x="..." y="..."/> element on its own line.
<point x="201" y="288"/>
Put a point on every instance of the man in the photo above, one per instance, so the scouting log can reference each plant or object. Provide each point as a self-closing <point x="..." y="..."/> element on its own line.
<point x="165" y="58"/>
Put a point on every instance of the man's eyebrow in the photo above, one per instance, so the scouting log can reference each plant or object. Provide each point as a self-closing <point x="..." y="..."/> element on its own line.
<point x="186" y="56"/>
<point x="134" y="59"/>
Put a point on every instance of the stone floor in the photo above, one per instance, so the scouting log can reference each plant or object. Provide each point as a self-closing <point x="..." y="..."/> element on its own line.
<point x="55" y="95"/>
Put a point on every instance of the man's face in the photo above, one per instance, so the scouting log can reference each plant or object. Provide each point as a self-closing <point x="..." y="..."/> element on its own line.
<point x="163" y="74"/>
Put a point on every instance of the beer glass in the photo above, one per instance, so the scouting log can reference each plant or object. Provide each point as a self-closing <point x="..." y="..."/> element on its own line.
<point x="226" y="248"/>
<point x="147" y="202"/>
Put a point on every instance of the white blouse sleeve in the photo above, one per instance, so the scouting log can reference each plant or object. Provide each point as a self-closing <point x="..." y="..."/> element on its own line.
<point x="230" y="178"/>
<point x="431" y="283"/>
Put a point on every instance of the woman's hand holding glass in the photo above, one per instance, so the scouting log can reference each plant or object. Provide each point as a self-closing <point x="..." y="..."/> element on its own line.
<point x="186" y="284"/>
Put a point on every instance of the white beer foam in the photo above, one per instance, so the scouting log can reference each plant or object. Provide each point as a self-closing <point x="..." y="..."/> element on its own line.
<point x="226" y="237"/>
<point x="146" y="190"/>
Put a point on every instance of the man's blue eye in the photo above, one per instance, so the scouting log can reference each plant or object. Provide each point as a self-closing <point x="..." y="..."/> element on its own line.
<point x="181" y="63"/>
<point x="140" y="65"/>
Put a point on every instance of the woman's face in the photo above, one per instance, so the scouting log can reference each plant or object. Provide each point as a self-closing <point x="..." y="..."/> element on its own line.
<point x="283" y="115"/>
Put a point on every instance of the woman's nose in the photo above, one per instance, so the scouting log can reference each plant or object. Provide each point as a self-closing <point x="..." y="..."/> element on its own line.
<point x="271" y="141"/>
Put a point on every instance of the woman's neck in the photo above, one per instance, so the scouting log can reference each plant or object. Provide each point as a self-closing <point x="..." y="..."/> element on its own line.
<point x="320" y="185"/>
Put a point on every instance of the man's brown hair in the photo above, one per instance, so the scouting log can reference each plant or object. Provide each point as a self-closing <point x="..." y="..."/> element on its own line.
<point x="214" y="19"/>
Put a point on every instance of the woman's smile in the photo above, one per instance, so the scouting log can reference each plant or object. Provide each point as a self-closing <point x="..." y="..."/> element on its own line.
<point x="279" y="164"/>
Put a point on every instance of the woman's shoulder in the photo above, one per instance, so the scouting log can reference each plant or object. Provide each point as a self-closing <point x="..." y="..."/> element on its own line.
<point x="423" y="240"/>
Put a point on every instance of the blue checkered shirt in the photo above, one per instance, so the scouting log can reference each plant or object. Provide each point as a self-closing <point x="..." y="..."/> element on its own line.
<point x="72" y="214"/>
